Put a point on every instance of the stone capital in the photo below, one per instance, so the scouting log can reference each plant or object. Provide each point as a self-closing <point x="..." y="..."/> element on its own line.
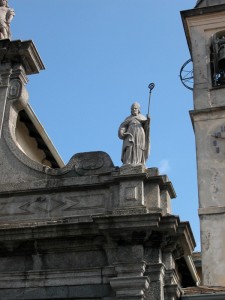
<point x="156" y="272"/>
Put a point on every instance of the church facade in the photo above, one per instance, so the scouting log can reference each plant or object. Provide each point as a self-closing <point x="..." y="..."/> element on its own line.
<point x="91" y="230"/>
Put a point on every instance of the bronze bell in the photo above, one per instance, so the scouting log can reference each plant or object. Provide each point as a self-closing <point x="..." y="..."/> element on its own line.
<point x="221" y="57"/>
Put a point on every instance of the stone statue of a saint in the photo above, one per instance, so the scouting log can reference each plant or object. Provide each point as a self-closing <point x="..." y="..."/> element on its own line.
<point x="6" y="16"/>
<point x="134" y="132"/>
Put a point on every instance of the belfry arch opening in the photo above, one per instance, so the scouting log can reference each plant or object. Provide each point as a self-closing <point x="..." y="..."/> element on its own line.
<point x="217" y="58"/>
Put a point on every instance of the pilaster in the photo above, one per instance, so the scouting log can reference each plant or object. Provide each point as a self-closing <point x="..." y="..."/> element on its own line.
<point x="5" y="72"/>
<point x="156" y="273"/>
<point x="172" y="289"/>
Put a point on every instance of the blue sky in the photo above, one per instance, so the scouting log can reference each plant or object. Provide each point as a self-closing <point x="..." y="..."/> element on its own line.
<point x="100" y="56"/>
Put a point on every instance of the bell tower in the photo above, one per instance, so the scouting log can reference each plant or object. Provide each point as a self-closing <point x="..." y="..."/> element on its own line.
<point x="205" y="31"/>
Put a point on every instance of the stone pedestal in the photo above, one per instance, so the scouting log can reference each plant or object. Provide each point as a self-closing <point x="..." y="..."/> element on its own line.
<point x="143" y="190"/>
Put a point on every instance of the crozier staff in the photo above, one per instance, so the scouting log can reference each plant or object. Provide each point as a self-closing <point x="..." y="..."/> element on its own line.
<point x="134" y="133"/>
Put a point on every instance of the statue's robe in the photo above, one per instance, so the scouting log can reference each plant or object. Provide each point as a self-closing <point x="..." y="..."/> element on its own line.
<point x="135" y="140"/>
<point x="6" y="15"/>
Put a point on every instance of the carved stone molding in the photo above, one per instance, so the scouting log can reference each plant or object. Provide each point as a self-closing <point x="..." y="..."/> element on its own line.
<point x="172" y="292"/>
<point x="132" y="288"/>
<point x="131" y="193"/>
<point x="18" y="94"/>
<point x="156" y="272"/>
<point x="23" y="52"/>
<point x="130" y="211"/>
<point x="52" y="205"/>
<point x="15" y="89"/>
<point x="18" y="72"/>
<point x="124" y="269"/>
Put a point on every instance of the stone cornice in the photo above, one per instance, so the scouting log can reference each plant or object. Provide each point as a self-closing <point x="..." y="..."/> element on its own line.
<point x="23" y="52"/>
<point x="198" y="12"/>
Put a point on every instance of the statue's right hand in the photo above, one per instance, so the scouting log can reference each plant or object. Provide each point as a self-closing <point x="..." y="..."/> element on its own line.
<point x="128" y="134"/>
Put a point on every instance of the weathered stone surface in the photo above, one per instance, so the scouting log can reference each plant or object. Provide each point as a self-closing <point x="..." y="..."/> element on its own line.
<point x="88" y="230"/>
<point x="23" y="53"/>
<point x="104" y="254"/>
<point x="156" y="274"/>
<point x="204" y="28"/>
<point x="130" y="287"/>
<point x="131" y="193"/>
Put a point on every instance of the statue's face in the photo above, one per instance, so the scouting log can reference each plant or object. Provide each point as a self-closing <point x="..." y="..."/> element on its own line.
<point x="3" y="2"/>
<point x="135" y="110"/>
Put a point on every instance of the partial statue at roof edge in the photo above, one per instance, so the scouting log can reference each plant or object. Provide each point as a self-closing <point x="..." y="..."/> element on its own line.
<point x="6" y="16"/>
<point x="198" y="2"/>
<point x="207" y="3"/>
<point x="134" y="132"/>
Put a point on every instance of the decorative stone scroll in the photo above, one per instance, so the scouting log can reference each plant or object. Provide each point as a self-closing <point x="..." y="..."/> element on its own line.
<point x="15" y="89"/>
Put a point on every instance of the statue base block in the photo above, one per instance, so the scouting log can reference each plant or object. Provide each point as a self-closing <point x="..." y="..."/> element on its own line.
<point x="132" y="169"/>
